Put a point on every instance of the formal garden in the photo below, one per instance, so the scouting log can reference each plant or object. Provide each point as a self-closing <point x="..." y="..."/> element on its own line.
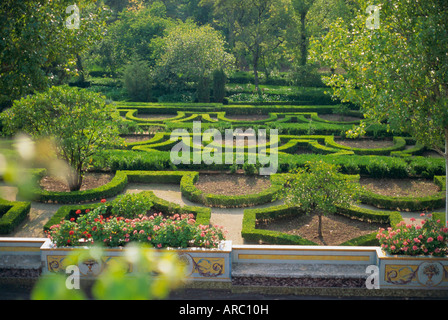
<point x="182" y="127"/>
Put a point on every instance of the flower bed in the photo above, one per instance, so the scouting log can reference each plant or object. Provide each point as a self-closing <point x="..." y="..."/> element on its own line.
<point x="98" y="226"/>
<point x="428" y="238"/>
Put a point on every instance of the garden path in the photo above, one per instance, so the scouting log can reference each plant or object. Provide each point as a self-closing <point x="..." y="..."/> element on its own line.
<point x="230" y="218"/>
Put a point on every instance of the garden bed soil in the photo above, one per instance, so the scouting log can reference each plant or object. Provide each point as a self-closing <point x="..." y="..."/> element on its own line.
<point x="137" y="137"/>
<point x="366" y="143"/>
<point x="232" y="184"/>
<point x="252" y="117"/>
<point x="90" y="181"/>
<point x="156" y="116"/>
<point x="338" y="117"/>
<point x="401" y="187"/>
<point x="336" y="229"/>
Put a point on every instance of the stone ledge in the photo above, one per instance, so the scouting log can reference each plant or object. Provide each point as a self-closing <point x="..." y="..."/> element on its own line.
<point x="291" y="271"/>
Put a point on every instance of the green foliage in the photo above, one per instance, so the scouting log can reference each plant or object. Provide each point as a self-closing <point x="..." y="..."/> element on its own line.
<point x="319" y="188"/>
<point x="131" y="205"/>
<point x="253" y="234"/>
<point x="219" y="85"/>
<point x="12" y="213"/>
<point x="427" y="238"/>
<point x="153" y="276"/>
<point x="37" y="49"/>
<point x="137" y="81"/>
<point x="133" y="35"/>
<point x="79" y="121"/>
<point x="156" y="230"/>
<point x="190" y="53"/>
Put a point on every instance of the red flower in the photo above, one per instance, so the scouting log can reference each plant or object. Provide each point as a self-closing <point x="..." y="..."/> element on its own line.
<point x="103" y="200"/>
<point x="87" y="210"/>
<point x="71" y="232"/>
<point x="72" y="219"/>
<point x="78" y="211"/>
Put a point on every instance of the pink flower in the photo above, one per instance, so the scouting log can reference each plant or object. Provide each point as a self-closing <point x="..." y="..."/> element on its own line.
<point x="103" y="200"/>
<point x="422" y="215"/>
<point x="392" y="248"/>
<point x="440" y="238"/>
<point x="415" y="248"/>
<point x="159" y="245"/>
<point x="430" y="239"/>
<point x="412" y="219"/>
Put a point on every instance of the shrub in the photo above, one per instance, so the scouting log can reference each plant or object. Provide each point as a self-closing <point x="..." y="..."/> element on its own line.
<point x="137" y="81"/>
<point x="131" y="205"/>
<point x="219" y="85"/>
<point x="429" y="238"/>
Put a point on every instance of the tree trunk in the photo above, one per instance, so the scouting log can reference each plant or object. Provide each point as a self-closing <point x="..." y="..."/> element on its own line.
<point x="75" y="180"/>
<point x="319" y="228"/>
<point x="303" y="44"/>
<point x="255" y="65"/>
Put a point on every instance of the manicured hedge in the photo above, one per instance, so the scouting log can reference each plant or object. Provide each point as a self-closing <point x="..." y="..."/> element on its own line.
<point x="251" y="234"/>
<point x="404" y="203"/>
<point x="115" y="186"/>
<point x="202" y="215"/>
<point x="399" y="144"/>
<point x="12" y="213"/>
<point x="192" y="193"/>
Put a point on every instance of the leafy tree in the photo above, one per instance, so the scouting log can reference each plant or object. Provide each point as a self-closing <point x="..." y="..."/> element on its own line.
<point x="191" y="53"/>
<point x="319" y="188"/>
<point x="396" y="72"/>
<point x="79" y="121"/>
<point x="131" y="37"/>
<point x="255" y="27"/>
<point x="37" y="49"/>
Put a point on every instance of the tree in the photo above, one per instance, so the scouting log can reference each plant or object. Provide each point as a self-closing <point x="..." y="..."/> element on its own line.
<point x="137" y="81"/>
<point x="131" y="37"/>
<point x="397" y="70"/>
<point x="37" y="49"/>
<point x="319" y="188"/>
<point x="255" y="27"/>
<point x="191" y="53"/>
<point x="79" y="121"/>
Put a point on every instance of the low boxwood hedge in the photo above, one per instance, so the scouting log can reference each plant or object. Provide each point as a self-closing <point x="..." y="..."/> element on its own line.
<point x="12" y="213"/>
<point x="251" y="234"/>
<point x="192" y="193"/>
<point x="115" y="186"/>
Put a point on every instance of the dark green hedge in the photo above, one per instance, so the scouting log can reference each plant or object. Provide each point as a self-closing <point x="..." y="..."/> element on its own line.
<point x="192" y="193"/>
<point x="115" y="186"/>
<point x="251" y="234"/>
<point x="12" y="213"/>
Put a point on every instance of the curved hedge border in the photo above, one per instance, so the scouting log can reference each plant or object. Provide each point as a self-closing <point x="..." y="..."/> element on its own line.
<point x="115" y="186"/>
<point x="399" y="144"/>
<point x="202" y="215"/>
<point x="192" y="193"/>
<point x="12" y="213"/>
<point x="407" y="203"/>
<point x="252" y="234"/>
